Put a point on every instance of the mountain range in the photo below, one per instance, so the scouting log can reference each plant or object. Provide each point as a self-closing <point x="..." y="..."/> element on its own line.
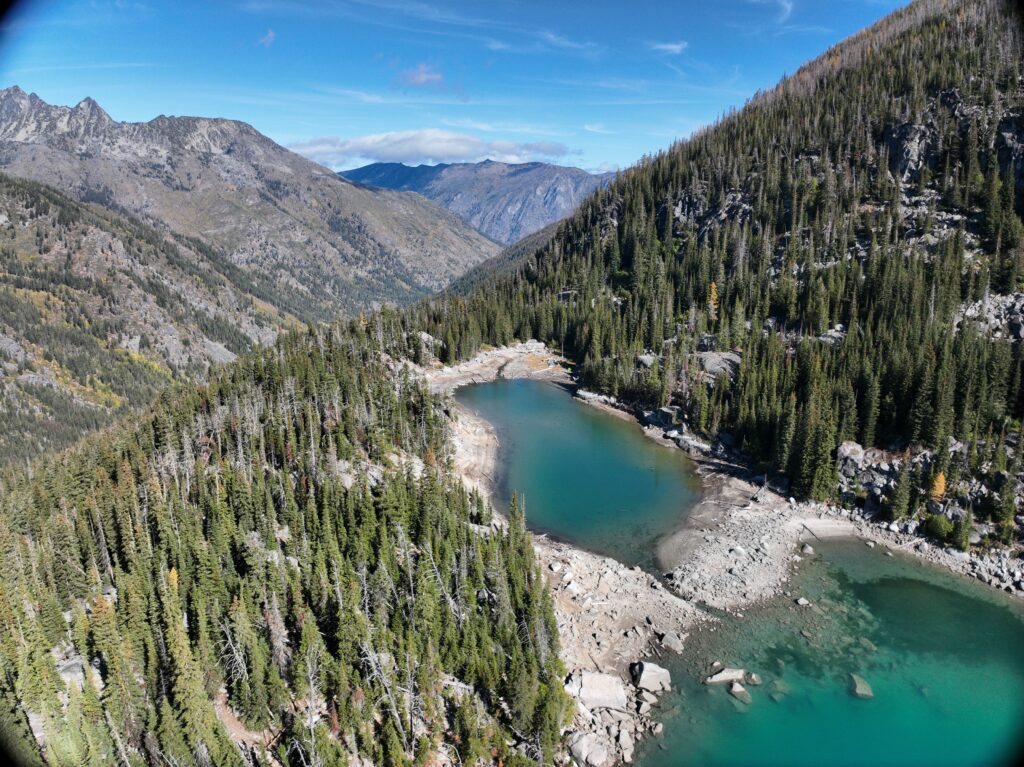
<point x="506" y="202"/>
<point x="327" y="244"/>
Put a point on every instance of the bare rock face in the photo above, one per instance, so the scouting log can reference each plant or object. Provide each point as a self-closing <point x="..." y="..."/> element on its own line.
<point x="271" y="211"/>
<point x="1001" y="316"/>
<point x="596" y="691"/>
<point x="908" y="150"/>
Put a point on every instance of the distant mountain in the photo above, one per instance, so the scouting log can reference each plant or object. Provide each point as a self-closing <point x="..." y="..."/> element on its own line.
<point x="505" y="202"/>
<point x="98" y="312"/>
<point x="335" y="244"/>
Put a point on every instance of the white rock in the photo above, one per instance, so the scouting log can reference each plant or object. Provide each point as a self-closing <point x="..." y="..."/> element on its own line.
<point x="803" y="601"/>
<point x="651" y="677"/>
<point x="739" y="692"/>
<point x="597" y="691"/>
<point x="726" y="676"/>
<point x="590" y="749"/>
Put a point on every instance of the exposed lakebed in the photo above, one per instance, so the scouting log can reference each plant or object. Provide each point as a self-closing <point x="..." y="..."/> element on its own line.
<point x="944" y="656"/>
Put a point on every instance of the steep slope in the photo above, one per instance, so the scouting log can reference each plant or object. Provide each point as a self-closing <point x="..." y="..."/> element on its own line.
<point x="270" y="211"/>
<point x="276" y="568"/>
<point x="98" y="312"/>
<point x="507" y="261"/>
<point x="505" y="202"/>
<point x="839" y="236"/>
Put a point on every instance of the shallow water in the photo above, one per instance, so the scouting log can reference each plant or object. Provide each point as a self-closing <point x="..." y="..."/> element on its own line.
<point x="943" y="655"/>
<point x="586" y="476"/>
<point x="945" y="661"/>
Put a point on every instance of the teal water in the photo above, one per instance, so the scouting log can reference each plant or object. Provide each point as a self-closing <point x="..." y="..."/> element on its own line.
<point x="944" y="655"/>
<point x="945" y="661"/>
<point x="585" y="476"/>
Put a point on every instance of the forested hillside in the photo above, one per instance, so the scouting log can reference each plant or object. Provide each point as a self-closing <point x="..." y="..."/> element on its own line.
<point x="274" y="568"/>
<point x="832" y="235"/>
<point x="99" y="312"/>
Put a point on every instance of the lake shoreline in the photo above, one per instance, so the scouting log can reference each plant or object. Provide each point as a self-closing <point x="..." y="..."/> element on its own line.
<point x="736" y="546"/>
<point x="610" y="616"/>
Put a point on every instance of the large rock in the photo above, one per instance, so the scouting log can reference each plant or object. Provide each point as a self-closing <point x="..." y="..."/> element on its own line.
<point x="590" y="749"/>
<point x="651" y="677"/>
<point x="719" y="363"/>
<point x="850" y="455"/>
<point x="596" y="691"/>
<point x="726" y="676"/>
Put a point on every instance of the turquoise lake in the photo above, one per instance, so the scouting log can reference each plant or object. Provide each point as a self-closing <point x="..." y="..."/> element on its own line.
<point x="585" y="476"/>
<point x="944" y="655"/>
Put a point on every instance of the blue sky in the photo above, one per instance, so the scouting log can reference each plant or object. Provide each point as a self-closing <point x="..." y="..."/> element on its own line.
<point x="592" y="83"/>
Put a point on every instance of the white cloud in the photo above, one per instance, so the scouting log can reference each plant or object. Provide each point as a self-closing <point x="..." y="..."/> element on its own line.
<point x="502" y="126"/>
<point x="597" y="128"/>
<point x="268" y="39"/>
<point x="430" y="145"/>
<point x="673" y="48"/>
<point x="421" y="74"/>
<point x="562" y="42"/>
<point x="785" y="8"/>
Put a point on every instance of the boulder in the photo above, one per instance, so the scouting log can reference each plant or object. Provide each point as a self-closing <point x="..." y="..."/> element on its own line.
<point x="673" y="641"/>
<point x="596" y="691"/>
<point x="752" y="679"/>
<point x="859" y="687"/>
<point x="726" y="676"/>
<point x="739" y="692"/>
<point x="651" y="677"/>
<point x="590" y="749"/>
<point x="803" y="602"/>
<point x="850" y="457"/>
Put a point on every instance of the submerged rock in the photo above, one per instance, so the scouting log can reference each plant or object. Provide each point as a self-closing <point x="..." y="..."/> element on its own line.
<point x="859" y="687"/>
<point x="739" y="692"/>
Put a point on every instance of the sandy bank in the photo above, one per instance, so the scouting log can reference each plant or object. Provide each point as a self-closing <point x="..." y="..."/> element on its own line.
<point x="530" y="359"/>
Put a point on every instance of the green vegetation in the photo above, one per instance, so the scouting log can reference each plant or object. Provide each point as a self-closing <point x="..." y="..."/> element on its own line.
<point x="98" y="313"/>
<point x="239" y="538"/>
